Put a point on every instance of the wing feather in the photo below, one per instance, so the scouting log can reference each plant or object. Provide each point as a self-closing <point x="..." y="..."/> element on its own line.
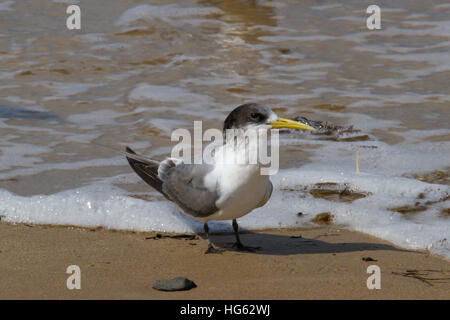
<point x="181" y="183"/>
<point x="185" y="186"/>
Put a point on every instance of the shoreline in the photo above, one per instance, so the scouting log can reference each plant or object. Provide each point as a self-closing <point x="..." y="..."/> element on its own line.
<point x="315" y="263"/>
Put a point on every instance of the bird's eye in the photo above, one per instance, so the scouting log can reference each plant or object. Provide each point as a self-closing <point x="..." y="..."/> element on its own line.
<point x="255" y="115"/>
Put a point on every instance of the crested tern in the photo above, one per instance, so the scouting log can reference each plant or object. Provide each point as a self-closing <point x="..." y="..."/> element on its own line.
<point x="217" y="191"/>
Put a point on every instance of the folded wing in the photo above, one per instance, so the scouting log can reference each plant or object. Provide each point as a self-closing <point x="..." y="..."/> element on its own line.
<point x="179" y="182"/>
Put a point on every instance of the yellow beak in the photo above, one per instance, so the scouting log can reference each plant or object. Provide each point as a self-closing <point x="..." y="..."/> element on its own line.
<point x="291" y="124"/>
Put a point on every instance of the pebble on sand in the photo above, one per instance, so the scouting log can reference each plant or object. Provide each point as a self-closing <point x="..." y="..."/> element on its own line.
<point x="175" y="284"/>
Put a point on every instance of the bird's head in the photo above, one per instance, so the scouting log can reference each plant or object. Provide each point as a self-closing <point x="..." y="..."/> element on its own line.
<point x="255" y="116"/>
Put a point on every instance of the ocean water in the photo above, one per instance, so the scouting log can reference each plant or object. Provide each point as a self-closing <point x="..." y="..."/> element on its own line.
<point x="138" y="70"/>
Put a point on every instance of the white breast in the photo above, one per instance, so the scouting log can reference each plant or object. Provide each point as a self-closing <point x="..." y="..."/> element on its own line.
<point x="242" y="188"/>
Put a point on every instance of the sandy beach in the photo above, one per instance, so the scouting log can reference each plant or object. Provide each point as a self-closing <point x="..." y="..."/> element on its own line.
<point x="319" y="263"/>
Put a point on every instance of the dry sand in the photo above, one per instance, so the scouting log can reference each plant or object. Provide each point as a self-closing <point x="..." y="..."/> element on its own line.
<point x="325" y="263"/>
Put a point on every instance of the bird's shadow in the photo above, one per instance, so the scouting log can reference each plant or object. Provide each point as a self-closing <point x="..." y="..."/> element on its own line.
<point x="275" y="244"/>
<point x="283" y="244"/>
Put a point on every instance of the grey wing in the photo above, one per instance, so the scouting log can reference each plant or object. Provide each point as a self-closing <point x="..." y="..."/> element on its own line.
<point x="184" y="185"/>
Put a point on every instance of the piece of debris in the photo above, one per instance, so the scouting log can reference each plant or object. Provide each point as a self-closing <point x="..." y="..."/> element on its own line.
<point x="329" y="131"/>
<point x="368" y="259"/>
<point x="148" y="197"/>
<point x="427" y="276"/>
<point x="175" y="284"/>
<point x="323" y="218"/>
<point x="176" y="236"/>
<point x="439" y="177"/>
<point x="299" y="214"/>
<point x="297" y="237"/>
<point x="408" y="209"/>
<point x="336" y="194"/>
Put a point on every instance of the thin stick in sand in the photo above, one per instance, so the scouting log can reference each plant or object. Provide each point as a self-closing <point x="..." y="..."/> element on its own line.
<point x="357" y="160"/>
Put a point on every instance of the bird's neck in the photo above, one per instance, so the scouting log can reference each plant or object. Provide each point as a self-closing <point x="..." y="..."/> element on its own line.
<point x="242" y="146"/>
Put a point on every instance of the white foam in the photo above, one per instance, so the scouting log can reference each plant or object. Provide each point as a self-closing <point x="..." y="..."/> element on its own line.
<point x="100" y="205"/>
<point x="408" y="157"/>
<point x="371" y="215"/>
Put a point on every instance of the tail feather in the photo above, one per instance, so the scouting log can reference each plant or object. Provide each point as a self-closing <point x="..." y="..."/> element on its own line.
<point x="145" y="168"/>
<point x="129" y="153"/>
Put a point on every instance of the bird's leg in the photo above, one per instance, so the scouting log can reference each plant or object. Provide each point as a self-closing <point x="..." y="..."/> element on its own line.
<point x="211" y="248"/>
<point x="238" y="244"/>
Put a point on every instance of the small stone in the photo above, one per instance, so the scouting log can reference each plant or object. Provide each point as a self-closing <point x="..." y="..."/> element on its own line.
<point x="175" y="284"/>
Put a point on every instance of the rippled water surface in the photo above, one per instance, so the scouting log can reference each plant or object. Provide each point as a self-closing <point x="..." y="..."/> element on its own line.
<point x="139" y="69"/>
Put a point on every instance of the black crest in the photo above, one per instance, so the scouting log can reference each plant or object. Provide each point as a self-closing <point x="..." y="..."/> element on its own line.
<point x="247" y="114"/>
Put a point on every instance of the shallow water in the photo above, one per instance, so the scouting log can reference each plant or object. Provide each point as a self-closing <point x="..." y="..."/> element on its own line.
<point x="136" y="71"/>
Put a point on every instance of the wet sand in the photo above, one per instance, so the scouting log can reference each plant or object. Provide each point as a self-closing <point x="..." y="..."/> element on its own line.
<point x="324" y="263"/>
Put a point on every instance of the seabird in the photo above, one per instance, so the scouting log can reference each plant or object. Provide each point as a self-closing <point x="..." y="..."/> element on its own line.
<point x="221" y="190"/>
